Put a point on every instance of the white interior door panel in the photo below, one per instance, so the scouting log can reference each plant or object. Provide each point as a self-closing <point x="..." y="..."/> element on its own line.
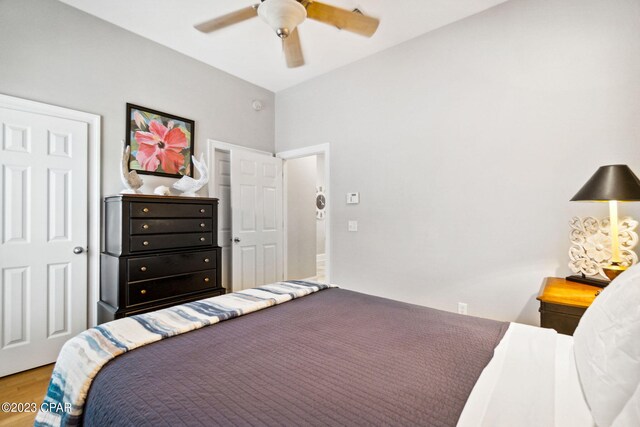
<point x="257" y="226"/>
<point x="44" y="236"/>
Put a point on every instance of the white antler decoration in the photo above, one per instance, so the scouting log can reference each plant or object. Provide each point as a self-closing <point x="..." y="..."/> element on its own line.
<point x="190" y="186"/>
<point x="130" y="179"/>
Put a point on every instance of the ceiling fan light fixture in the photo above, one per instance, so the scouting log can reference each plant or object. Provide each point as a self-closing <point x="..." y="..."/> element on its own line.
<point x="282" y="15"/>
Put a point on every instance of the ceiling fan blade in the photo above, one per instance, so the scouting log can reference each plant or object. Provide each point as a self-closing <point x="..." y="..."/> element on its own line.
<point x="293" y="50"/>
<point x="342" y="18"/>
<point x="228" y="19"/>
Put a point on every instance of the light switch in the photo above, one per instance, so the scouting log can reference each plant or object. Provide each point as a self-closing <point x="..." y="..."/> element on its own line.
<point x="353" y="225"/>
<point x="353" y="198"/>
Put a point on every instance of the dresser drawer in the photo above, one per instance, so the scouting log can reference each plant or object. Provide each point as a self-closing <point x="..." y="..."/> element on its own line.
<point x="155" y="290"/>
<point x="151" y="267"/>
<point x="154" y="242"/>
<point x="170" y="303"/>
<point x="561" y="309"/>
<point x="169" y="210"/>
<point x="128" y="217"/>
<point x="564" y="319"/>
<point x="156" y="226"/>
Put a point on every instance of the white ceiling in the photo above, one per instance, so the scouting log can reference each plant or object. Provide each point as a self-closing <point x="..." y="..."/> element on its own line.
<point x="251" y="50"/>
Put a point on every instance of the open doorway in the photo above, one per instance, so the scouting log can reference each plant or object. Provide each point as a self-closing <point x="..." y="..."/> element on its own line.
<point x="306" y="213"/>
<point x="254" y="230"/>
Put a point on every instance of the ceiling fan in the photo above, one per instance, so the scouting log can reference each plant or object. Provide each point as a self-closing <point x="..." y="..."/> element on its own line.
<point x="284" y="16"/>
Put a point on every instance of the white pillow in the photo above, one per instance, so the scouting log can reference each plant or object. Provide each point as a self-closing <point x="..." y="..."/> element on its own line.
<point x="607" y="352"/>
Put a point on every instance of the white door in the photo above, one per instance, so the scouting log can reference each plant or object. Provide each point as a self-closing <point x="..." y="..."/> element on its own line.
<point x="222" y="190"/>
<point x="43" y="219"/>
<point x="256" y="206"/>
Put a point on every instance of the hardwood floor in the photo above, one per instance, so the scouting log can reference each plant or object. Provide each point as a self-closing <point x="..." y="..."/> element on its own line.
<point x="24" y="387"/>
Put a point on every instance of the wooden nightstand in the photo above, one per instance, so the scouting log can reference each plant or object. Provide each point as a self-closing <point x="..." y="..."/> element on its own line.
<point x="562" y="303"/>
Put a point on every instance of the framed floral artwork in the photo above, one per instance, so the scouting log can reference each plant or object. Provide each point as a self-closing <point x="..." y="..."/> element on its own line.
<point x="161" y="143"/>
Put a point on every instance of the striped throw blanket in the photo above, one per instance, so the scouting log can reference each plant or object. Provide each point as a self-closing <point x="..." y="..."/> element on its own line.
<point x="82" y="357"/>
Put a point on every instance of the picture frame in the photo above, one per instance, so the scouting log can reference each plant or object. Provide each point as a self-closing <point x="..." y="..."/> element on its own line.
<point x="161" y="144"/>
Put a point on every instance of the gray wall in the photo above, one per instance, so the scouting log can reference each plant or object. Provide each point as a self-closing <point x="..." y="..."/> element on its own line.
<point x="53" y="53"/>
<point x="301" y="217"/>
<point x="466" y="145"/>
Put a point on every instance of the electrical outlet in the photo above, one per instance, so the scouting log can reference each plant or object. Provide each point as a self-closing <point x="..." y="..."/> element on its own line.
<point x="353" y="225"/>
<point x="462" y="308"/>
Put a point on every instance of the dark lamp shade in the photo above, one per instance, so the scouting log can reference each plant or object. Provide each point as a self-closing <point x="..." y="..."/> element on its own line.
<point x="613" y="182"/>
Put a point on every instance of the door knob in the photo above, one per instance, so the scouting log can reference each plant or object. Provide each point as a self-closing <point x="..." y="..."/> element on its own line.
<point x="78" y="250"/>
<point x="236" y="240"/>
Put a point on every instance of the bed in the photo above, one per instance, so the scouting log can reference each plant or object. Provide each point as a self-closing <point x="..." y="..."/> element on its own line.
<point x="302" y="353"/>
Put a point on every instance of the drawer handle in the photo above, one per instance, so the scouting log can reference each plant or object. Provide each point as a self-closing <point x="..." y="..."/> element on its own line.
<point x="202" y="224"/>
<point x="143" y="268"/>
<point x="202" y="239"/>
<point x="145" y="226"/>
<point x="145" y="210"/>
<point x="201" y="210"/>
<point x="145" y="243"/>
<point x="206" y="260"/>
<point x="206" y="279"/>
<point x="144" y="291"/>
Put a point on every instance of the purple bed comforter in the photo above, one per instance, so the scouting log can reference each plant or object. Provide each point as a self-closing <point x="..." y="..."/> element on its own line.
<point x="335" y="357"/>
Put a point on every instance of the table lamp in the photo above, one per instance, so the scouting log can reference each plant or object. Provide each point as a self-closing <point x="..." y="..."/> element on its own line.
<point x="613" y="184"/>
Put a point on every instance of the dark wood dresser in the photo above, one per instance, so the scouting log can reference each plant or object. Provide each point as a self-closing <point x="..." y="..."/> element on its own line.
<point x="562" y="303"/>
<point x="159" y="251"/>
